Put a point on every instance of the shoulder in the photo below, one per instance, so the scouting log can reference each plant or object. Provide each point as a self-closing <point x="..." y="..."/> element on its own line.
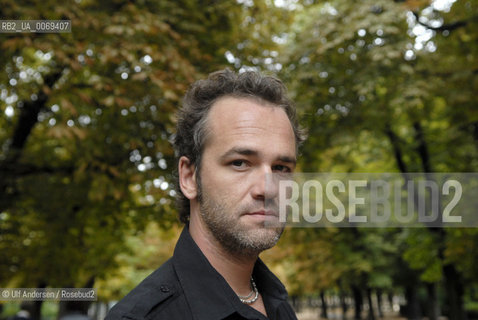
<point x="160" y="292"/>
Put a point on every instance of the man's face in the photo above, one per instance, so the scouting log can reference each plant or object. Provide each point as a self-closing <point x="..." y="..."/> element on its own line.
<point x="247" y="140"/>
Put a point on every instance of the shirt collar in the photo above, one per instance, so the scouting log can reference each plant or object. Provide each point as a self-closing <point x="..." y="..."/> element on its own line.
<point x="268" y="282"/>
<point x="207" y="292"/>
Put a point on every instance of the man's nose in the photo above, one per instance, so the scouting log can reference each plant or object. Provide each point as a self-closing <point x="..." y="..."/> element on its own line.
<point x="264" y="184"/>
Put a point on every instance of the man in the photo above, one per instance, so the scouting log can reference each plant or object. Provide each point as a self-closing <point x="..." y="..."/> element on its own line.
<point x="232" y="131"/>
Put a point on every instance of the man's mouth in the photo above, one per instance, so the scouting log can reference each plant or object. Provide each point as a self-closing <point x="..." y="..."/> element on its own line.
<point x="262" y="213"/>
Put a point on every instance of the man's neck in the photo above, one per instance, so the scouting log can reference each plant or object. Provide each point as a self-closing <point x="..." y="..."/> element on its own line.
<point x="235" y="269"/>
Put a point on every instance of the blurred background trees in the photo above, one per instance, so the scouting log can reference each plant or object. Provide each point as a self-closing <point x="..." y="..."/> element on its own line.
<point x="86" y="117"/>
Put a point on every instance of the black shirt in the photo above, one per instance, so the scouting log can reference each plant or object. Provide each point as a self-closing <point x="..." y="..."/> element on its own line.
<point x="188" y="287"/>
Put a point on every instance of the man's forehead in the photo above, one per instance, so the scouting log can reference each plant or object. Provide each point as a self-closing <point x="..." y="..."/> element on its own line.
<point x="235" y="110"/>
<point x="246" y="119"/>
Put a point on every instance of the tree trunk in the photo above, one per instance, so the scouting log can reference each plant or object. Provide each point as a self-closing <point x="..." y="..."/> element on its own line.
<point x="343" y="304"/>
<point x="390" y="299"/>
<point x="371" y="312"/>
<point x="433" y="309"/>
<point x="358" y="302"/>
<point x="455" y="290"/>
<point x="397" y="151"/>
<point x="36" y="312"/>
<point x="37" y="305"/>
<point x="323" y="313"/>
<point x="453" y="282"/>
<point x="379" y="303"/>
<point x="413" y="305"/>
<point x="27" y="120"/>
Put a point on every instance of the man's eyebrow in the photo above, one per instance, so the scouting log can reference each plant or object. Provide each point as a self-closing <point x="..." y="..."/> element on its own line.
<point x="252" y="152"/>
<point x="240" y="151"/>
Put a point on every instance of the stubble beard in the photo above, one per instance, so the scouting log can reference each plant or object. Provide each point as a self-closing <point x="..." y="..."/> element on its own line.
<point x="234" y="236"/>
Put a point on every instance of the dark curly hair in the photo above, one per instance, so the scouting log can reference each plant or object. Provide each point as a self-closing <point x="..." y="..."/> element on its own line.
<point x="191" y="129"/>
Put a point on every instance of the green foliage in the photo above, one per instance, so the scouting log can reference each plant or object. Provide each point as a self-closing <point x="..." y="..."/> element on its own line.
<point x="422" y="254"/>
<point x="462" y="251"/>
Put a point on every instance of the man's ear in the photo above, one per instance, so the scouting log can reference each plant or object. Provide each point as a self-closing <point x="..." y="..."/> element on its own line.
<point x="187" y="178"/>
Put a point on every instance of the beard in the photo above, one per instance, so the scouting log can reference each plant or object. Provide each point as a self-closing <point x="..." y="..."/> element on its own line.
<point x="233" y="235"/>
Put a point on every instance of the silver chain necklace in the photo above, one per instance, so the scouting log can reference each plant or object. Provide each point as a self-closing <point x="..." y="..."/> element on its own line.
<point x="249" y="299"/>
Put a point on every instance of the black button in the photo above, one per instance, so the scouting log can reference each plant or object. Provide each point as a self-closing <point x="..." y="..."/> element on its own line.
<point x="164" y="288"/>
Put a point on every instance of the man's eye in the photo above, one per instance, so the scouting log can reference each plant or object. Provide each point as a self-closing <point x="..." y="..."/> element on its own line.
<point x="281" y="168"/>
<point x="239" y="163"/>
